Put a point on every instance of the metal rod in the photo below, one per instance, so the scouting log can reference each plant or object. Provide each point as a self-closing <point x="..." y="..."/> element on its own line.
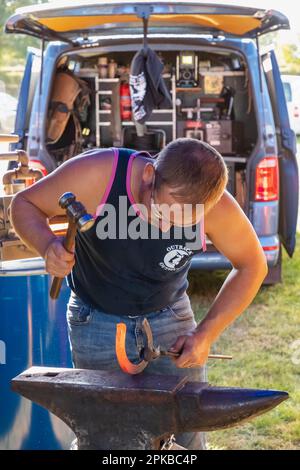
<point x="9" y="138"/>
<point x="210" y="356"/>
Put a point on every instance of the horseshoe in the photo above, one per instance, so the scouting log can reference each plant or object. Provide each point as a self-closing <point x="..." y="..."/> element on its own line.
<point x="148" y="353"/>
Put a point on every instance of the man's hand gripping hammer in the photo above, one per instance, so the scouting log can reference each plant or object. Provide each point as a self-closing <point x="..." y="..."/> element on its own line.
<point x="78" y="218"/>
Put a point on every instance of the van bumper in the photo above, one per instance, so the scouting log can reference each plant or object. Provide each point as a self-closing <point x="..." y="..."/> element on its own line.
<point x="211" y="259"/>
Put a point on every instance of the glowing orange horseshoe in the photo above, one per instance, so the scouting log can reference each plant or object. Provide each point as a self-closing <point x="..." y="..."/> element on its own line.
<point x="125" y="364"/>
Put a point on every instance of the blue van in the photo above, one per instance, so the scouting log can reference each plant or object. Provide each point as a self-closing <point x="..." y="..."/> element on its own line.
<point x="223" y="90"/>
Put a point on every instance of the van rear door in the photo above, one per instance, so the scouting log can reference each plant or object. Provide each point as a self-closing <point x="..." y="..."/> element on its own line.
<point x="288" y="168"/>
<point x="28" y="85"/>
<point x="82" y="20"/>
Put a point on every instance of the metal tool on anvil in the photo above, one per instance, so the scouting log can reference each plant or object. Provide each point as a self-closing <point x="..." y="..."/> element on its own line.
<point x="149" y="352"/>
<point x="78" y="218"/>
<point x="110" y="410"/>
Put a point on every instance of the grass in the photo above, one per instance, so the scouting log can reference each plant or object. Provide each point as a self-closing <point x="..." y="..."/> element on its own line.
<point x="260" y="341"/>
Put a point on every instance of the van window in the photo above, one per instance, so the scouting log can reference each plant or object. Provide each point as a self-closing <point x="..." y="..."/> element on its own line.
<point x="287" y="91"/>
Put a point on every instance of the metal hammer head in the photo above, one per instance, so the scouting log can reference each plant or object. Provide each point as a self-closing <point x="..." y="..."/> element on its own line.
<point x="76" y="211"/>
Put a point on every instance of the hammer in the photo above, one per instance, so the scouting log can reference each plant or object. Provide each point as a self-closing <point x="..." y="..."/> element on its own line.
<point x="77" y="218"/>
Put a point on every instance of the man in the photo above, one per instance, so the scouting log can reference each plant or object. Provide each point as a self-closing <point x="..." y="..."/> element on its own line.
<point x="128" y="278"/>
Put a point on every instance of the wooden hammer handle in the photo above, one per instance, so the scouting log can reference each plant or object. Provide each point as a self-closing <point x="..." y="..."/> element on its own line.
<point x="68" y="244"/>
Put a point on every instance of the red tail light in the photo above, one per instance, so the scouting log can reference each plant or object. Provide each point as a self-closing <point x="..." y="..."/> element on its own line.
<point x="267" y="180"/>
<point x="271" y="248"/>
<point x="296" y="112"/>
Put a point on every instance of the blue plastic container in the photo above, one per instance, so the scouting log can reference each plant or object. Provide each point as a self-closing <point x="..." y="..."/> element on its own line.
<point x="33" y="331"/>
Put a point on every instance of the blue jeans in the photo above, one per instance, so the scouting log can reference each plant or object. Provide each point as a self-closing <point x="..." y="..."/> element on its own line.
<point x="92" y="335"/>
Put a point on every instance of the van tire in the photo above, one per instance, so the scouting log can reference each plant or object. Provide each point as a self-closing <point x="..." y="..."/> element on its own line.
<point x="274" y="275"/>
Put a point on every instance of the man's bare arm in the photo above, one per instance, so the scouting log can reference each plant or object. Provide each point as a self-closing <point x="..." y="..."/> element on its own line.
<point x="85" y="176"/>
<point x="233" y="235"/>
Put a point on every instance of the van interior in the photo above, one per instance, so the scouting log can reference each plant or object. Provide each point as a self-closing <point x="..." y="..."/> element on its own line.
<point x="210" y="99"/>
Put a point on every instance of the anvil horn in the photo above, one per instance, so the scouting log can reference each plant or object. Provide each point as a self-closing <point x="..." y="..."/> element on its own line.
<point x="220" y="407"/>
<point x="113" y="410"/>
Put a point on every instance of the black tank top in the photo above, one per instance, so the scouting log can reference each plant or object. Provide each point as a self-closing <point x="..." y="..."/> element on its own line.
<point x="129" y="276"/>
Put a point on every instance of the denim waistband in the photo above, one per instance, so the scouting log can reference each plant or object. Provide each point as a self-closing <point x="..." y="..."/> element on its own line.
<point x="75" y="299"/>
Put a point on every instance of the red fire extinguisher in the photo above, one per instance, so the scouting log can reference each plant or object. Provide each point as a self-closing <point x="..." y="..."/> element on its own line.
<point x="125" y="102"/>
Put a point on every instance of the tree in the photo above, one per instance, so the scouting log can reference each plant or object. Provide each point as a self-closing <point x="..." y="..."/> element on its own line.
<point x="291" y="54"/>
<point x="13" y="46"/>
<point x="288" y="55"/>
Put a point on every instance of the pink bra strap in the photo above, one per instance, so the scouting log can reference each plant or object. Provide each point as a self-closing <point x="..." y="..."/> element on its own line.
<point x="110" y="183"/>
